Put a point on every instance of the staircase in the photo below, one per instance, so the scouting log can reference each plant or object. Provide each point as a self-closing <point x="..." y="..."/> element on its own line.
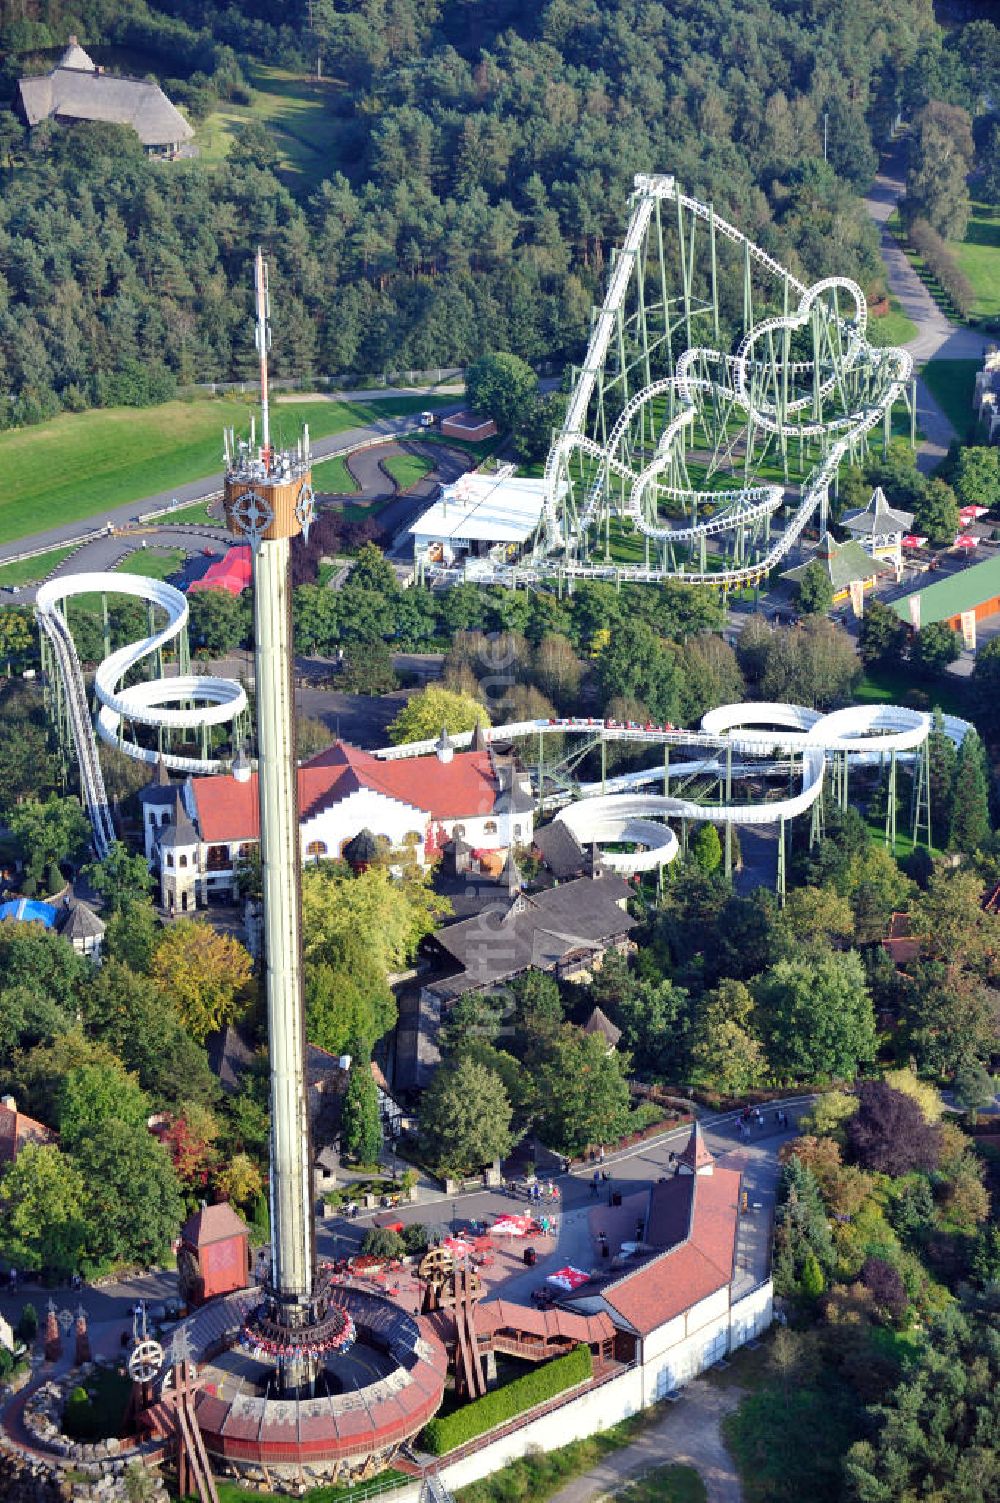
<point x="95" y="797"/>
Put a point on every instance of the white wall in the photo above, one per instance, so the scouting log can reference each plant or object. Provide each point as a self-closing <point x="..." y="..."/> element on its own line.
<point x="596" y="1410"/>
<point x="365" y="810"/>
<point x="602" y="1407"/>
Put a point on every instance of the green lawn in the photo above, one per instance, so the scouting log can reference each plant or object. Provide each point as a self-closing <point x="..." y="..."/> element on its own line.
<point x="79" y="464"/>
<point x="153" y="563"/>
<point x="407" y="469"/>
<point x="892" y="686"/>
<point x="666" y="1484"/>
<point x="296" y="109"/>
<point x="541" y="1473"/>
<point x="892" y="329"/>
<point x="979" y="257"/>
<point x="31" y="571"/>
<point x="951" y="384"/>
<point x="198" y="513"/>
<point x="230" y="1492"/>
<point x="332" y="477"/>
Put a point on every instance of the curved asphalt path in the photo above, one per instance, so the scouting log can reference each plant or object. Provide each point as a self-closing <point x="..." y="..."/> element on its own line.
<point x="378" y="489"/>
<point x="937" y="338"/>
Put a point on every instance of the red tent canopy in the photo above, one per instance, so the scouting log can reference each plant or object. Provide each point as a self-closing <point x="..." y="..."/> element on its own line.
<point x="231" y="573"/>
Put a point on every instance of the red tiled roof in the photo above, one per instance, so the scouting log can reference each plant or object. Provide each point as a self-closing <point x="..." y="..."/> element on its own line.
<point x="689" y="1272"/>
<point x="213" y="1224"/>
<point x="570" y="1325"/>
<point x="16" y="1129"/>
<point x="227" y="810"/>
<point x="695" y="1155"/>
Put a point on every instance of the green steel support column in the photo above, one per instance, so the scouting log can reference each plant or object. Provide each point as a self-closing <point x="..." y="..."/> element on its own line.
<point x="685" y="273"/>
<point x="729" y="774"/>
<point x="666" y="769"/>
<point x="727" y="849"/>
<point x="747" y="291"/>
<point x="106" y="624"/>
<point x="913" y="413"/>
<point x="684" y="837"/>
<point x="604" y="765"/>
<point x="890" y="807"/>
<point x="814" y="823"/>
<point x="541" y="772"/>
<point x="922" y="798"/>
<point x="204" y="742"/>
<point x="715" y="275"/>
<point x="781" y="862"/>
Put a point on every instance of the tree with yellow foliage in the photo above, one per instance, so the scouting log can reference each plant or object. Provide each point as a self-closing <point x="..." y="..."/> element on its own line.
<point x="203" y="973"/>
<point x="425" y="712"/>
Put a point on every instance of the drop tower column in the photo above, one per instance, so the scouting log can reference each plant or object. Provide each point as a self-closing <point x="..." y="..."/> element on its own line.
<point x="268" y="501"/>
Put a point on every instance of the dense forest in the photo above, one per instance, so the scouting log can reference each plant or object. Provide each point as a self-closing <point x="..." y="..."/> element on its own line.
<point x="479" y="162"/>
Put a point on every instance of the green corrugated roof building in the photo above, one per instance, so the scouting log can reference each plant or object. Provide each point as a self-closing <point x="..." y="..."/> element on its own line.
<point x="966" y="590"/>
<point x="844" y="562"/>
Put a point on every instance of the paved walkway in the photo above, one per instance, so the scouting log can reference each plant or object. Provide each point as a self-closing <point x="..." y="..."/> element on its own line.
<point x="688" y="1434"/>
<point x="937" y="337"/>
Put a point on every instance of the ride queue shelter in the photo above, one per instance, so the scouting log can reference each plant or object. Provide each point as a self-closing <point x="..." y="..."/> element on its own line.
<point x="974" y="589"/>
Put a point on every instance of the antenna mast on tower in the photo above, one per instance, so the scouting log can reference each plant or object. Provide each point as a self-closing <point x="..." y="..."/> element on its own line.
<point x="263" y="340"/>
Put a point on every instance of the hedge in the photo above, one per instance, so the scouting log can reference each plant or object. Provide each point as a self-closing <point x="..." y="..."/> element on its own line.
<point x="503" y="1404"/>
<point x="942" y="265"/>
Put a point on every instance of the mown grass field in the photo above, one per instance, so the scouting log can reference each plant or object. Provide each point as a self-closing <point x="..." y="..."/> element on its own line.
<point x="153" y="563"/>
<point x="333" y="478"/>
<point x="295" y="109"/>
<point x="951" y="384"/>
<point x="894" y="328"/>
<point x="81" y="463"/>
<point x="407" y="469"/>
<point x="31" y="571"/>
<point x="979" y="257"/>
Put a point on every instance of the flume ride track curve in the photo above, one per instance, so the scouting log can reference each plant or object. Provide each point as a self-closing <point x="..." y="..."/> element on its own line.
<point x="773" y="397"/>
<point x="201" y="701"/>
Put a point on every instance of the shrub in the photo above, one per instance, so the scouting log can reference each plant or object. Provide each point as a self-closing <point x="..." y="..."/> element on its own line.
<point x="503" y="1404"/>
<point x="942" y="265"/>
<point x="415" y="1237"/>
<point x="380" y="1242"/>
<point x="27" y="1326"/>
<point x="890" y="1134"/>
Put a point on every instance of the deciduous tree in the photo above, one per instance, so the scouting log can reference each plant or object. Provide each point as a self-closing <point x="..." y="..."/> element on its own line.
<point x="582" y="1091"/>
<point x="430" y="709"/>
<point x="361" y="1127"/>
<point x="203" y="972"/>
<point x="465" y="1117"/>
<point x="889" y="1133"/>
<point x="816" y="1015"/>
<point x="43" y="1225"/>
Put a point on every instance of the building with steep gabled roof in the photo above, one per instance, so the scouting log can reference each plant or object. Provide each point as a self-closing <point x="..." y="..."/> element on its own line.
<point x="17" y="1130"/>
<point x="80" y="926"/>
<point x="600" y="1023"/>
<point x="78" y="90"/>
<point x="845" y="563"/>
<point x="880" y="528"/>
<point x="411" y="806"/>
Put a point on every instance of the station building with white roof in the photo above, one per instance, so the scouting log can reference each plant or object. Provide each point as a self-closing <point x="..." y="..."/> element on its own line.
<point x="480" y="516"/>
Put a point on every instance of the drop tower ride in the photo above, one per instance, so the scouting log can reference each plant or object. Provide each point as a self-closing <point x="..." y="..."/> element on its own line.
<point x="269" y="501"/>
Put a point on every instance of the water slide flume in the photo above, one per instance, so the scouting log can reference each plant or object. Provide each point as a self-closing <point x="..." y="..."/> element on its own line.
<point x="187" y="702"/>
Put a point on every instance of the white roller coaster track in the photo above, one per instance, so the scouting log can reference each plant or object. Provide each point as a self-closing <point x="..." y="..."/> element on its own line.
<point x="203" y="701"/>
<point x="864" y="733"/>
<point x="740" y="506"/>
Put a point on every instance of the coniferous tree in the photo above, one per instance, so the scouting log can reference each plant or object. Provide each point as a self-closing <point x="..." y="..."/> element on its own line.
<point x="969" y="827"/>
